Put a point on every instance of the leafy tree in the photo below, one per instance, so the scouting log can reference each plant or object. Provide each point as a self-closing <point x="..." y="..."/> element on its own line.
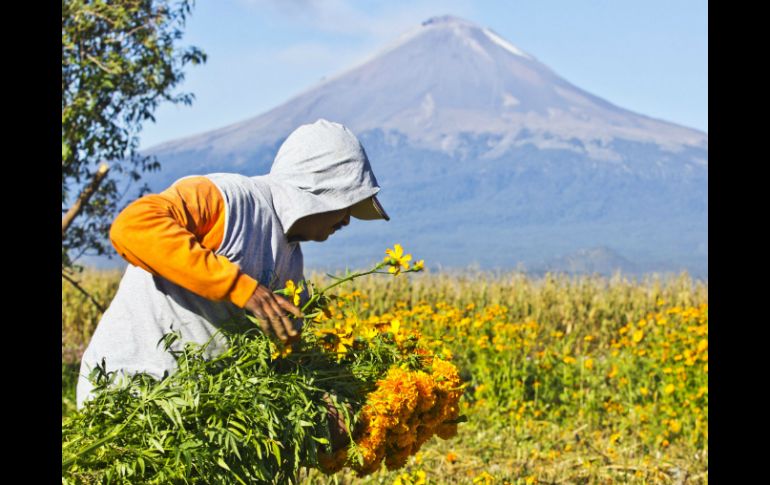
<point x="119" y="61"/>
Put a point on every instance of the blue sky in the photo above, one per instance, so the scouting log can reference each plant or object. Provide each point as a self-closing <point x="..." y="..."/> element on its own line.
<point x="649" y="56"/>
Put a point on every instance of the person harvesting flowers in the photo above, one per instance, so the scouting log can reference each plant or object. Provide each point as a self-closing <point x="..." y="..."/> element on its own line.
<point x="209" y="247"/>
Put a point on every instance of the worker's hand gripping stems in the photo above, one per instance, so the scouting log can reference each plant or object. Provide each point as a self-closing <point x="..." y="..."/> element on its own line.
<point x="272" y="312"/>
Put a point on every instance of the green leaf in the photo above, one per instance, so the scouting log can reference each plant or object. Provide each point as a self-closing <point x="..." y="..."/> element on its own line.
<point x="240" y="430"/>
<point x="276" y="450"/>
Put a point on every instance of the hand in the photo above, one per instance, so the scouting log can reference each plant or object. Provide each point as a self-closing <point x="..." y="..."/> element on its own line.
<point x="337" y="429"/>
<point x="271" y="310"/>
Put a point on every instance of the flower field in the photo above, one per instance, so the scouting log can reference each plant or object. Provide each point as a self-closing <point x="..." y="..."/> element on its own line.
<point x="566" y="380"/>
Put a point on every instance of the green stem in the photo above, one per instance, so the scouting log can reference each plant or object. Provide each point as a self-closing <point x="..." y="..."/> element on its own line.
<point x="352" y="276"/>
<point x="315" y="297"/>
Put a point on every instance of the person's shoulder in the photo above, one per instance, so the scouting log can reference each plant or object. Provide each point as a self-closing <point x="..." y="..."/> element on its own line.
<point x="227" y="176"/>
<point x="242" y="187"/>
<point x="235" y="180"/>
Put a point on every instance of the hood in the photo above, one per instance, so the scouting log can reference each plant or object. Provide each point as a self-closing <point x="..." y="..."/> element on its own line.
<point x="321" y="167"/>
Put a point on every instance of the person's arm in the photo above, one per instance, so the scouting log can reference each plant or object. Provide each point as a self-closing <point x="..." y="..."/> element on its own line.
<point x="174" y="235"/>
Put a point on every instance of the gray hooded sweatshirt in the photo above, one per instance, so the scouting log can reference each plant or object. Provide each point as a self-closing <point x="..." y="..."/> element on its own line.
<point x="320" y="167"/>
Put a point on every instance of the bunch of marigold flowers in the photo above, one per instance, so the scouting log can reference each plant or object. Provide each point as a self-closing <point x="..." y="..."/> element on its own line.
<point x="415" y="398"/>
<point x="405" y="410"/>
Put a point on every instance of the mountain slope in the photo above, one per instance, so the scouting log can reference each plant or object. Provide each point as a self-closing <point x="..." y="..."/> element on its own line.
<point x="485" y="156"/>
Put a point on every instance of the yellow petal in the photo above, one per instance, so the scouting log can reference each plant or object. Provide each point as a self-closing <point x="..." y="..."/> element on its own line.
<point x="399" y="250"/>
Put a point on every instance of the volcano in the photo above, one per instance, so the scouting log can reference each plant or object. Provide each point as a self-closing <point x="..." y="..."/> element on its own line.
<point x="486" y="157"/>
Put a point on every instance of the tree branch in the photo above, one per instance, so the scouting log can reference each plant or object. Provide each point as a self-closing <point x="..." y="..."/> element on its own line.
<point x="101" y="66"/>
<point x="86" y="194"/>
<point x="80" y="288"/>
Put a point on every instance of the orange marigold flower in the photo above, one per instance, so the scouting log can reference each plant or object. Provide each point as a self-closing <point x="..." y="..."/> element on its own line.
<point x="396" y="458"/>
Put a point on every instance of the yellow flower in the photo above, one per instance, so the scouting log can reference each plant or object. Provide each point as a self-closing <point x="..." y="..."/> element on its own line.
<point x="369" y="332"/>
<point x="669" y="389"/>
<point x="336" y="340"/>
<point x="484" y="478"/>
<point x="703" y="345"/>
<point x="419" y="265"/>
<point x="293" y="291"/>
<point x="397" y="259"/>
<point x="286" y="350"/>
<point x="446" y="353"/>
<point x="638" y="336"/>
<point x="589" y="363"/>
<point x="343" y="345"/>
<point x="418" y="458"/>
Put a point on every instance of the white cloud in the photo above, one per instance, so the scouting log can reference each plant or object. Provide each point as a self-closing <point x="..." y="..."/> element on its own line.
<point x="379" y="20"/>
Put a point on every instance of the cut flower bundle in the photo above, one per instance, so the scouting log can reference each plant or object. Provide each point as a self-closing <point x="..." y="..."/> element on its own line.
<point x="259" y="412"/>
<point x="407" y="408"/>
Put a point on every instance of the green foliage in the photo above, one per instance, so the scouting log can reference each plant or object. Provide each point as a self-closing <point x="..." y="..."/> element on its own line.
<point x="240" y="417"/>
<point x="118" y="63"/>
<point x="69" y="380"/>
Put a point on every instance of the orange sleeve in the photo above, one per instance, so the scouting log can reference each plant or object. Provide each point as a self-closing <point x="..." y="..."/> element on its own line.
<point x="174" y="235"/>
